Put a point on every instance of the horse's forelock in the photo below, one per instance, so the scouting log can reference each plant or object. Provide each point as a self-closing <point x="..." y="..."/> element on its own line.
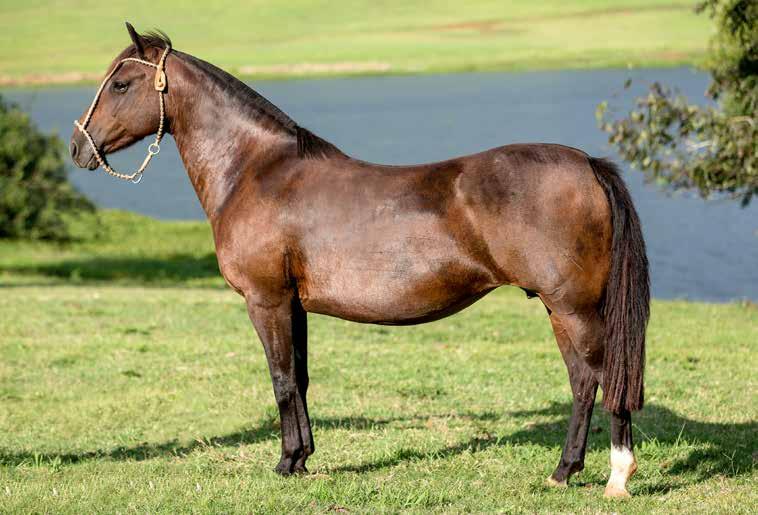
<point x="155" y="38"/>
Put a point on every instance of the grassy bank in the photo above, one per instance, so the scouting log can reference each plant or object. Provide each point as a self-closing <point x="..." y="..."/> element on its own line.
<point x="131" y="381"/>
<point x="73" y="40"/>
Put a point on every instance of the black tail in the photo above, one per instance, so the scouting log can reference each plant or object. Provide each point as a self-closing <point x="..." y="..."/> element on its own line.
<point x="626" y="305"/>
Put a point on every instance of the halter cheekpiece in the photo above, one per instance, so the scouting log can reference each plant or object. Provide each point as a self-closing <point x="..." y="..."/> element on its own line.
<point x="160" y="86"/>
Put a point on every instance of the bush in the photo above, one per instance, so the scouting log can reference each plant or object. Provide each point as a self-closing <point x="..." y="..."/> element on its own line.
<point x="36" y="199"/>
<point x="705" y="148"/>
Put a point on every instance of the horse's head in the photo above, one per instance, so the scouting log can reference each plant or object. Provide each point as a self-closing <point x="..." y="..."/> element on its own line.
<point x="128" y="106"/>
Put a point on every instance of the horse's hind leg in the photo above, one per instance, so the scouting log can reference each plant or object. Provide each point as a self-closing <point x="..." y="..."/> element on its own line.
<point x="575" y="337"/>
<point x="580" y="339"/>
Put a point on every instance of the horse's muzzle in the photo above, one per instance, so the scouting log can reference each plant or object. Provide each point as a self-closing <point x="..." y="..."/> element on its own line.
<point x="81" y="153"/>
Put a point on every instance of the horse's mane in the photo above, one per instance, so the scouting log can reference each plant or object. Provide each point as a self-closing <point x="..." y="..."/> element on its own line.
<point x="308" y="144"/>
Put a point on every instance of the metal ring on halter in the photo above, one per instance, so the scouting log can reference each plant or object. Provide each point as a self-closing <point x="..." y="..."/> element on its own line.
<point x="153" y="152"/>
<point x="137" y="178"/>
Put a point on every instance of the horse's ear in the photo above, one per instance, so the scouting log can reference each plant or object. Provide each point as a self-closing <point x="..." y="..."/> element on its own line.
<point x="137" y="40"/>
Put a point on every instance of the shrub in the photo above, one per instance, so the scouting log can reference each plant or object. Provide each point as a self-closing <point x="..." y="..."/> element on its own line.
<point x="705" y="148"/>
<point x="36" y="199"/>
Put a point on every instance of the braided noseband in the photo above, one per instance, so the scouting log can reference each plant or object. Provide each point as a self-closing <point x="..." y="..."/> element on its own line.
<point x="154" y="148"/>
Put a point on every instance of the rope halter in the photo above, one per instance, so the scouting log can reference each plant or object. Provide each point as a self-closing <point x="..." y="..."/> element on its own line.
<point x="152" y="150"/>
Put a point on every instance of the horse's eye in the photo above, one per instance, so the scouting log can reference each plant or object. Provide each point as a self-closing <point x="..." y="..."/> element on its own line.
<point x="120" y="87"/>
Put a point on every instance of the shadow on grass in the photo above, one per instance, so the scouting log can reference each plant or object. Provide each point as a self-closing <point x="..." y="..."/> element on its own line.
<point x="704" y="449"/>
<point x="701" y="449"/>
<point x="266" y="430"/>
<point x="175" y="268"/>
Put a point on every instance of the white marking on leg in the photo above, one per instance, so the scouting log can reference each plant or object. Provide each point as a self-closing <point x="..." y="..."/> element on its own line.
<point x="623" y="465"/>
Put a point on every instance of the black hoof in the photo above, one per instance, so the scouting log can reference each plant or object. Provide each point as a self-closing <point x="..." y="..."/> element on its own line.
<point x="299" y="467"/>
<point x="284" y="468"/>
<point x="294" y="464"/>
<point x="566" y="470"/>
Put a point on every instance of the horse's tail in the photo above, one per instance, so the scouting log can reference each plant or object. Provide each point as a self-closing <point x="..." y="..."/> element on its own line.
<point x="626" y="305"/>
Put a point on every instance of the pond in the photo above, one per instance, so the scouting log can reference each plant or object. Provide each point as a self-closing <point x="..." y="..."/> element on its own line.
<point x="699" y="250"/>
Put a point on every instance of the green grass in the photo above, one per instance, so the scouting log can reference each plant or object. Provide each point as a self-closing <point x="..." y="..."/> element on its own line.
<point x="41" y="41"/>
<point x="131" y="381"/>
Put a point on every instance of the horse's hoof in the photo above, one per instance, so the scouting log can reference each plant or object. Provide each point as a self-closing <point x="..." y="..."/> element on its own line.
<point x="554" y="483"/>
<point x="299" y="466"/>
<point x="613" y="492"/>
<point x="283" y="469"/>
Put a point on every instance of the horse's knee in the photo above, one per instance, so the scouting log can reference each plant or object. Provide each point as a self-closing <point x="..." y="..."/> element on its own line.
<point x="285" y="390"/>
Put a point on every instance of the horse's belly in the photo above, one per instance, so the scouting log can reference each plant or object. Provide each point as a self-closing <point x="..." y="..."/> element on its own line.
<point x="397" y="290"/>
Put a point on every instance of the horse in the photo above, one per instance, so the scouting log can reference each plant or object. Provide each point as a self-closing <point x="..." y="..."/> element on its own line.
<point x="300" y="227"/>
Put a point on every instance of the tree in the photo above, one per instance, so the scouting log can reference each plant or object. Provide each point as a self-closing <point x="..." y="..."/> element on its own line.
<point x="713" y="148"/>
<point x="36" y="199"/>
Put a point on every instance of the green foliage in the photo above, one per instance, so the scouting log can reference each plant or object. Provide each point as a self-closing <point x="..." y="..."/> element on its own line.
<point x="713" y="148"/>
<point x="36" y="199"/>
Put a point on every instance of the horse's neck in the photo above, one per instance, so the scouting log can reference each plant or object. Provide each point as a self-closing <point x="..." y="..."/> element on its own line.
<point x="216" y="140"/>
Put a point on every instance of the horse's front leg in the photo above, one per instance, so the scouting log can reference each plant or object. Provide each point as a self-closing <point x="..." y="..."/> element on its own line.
<point x="300" y="343"/>
<point x="281" y="327"/>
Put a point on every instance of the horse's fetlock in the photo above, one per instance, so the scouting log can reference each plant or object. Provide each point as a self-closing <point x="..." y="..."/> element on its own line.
<point x="576" y="467"/>
<point x="292" y="453"/>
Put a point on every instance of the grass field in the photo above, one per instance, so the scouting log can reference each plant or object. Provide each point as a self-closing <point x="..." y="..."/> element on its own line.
<point x="75" y="40"/>
<point x="131" y="381"/>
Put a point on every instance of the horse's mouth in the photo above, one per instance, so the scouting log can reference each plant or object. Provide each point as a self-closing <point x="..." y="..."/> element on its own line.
<point x="92" y="163"/>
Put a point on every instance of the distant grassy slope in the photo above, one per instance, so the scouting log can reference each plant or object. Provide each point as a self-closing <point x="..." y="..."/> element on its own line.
<point x="124" y="390"/>
<point x="72" y="40"/>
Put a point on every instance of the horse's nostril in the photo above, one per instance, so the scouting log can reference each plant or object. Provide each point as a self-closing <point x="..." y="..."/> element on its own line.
<point x="74" y="149"/>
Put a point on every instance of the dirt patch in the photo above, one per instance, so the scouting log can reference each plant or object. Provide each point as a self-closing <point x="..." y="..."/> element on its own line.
<point x="511" y="24"/>
<point x="479" y="26"/>
<point x="316" y="68"/>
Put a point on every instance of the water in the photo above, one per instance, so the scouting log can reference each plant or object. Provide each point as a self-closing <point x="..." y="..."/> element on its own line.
<point x="698" y="250"/>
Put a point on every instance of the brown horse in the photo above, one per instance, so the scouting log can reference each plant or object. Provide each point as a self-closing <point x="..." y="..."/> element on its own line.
<point x="301" y="228"/>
